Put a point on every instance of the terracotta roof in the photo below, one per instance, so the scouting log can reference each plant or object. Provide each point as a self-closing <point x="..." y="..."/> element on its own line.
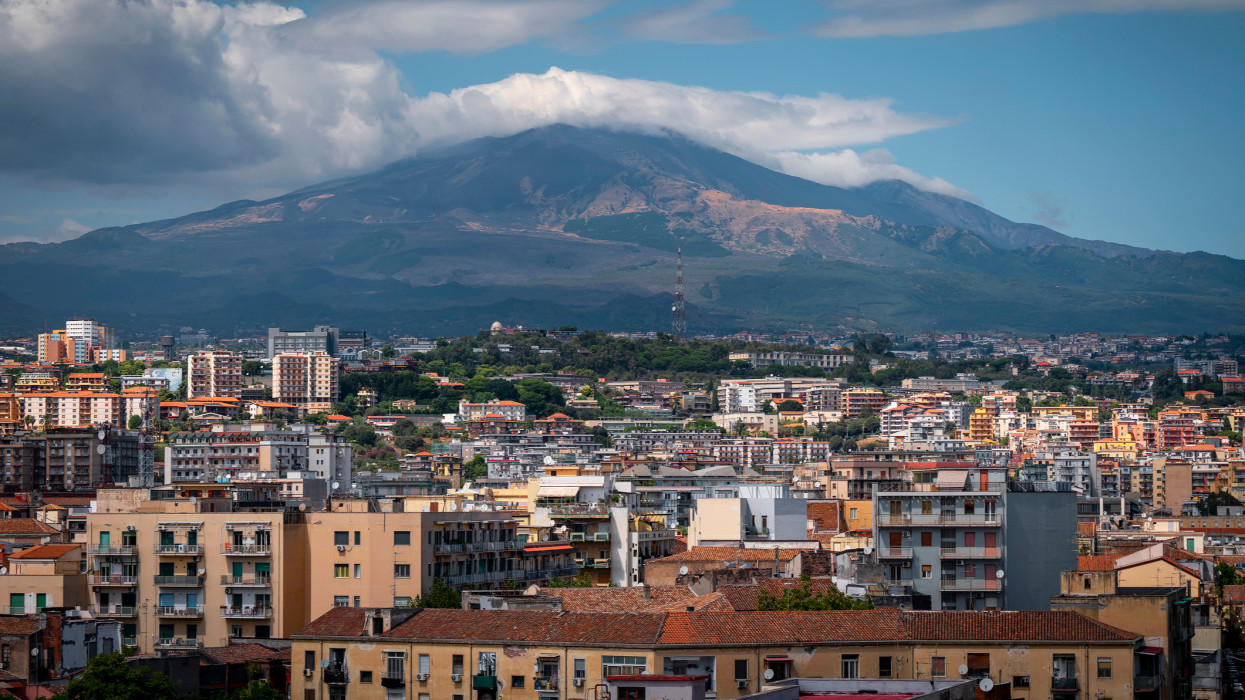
<point x="781" y="628"/>
<point x="239" y="653"/>
<point x="731" y="554"/>
<point x="19" y="624"/>
<point x="44" y="551"/>
<point x="618" y="599"/>
<point x="1096" y="562"/>
<point x="25" y="526"/>
<point x="743" y="596"/>
<point x="1012" y="625"/>
<point x="531" y="626"/>
<point x="1234" y="594"/>
<point x="339" y="621"/>
<point x="710" y="602"/>
<point x="1086" y="529"/>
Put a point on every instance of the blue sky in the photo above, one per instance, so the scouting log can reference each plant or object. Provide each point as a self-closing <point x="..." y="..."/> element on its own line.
<point x="1123" y="126"/>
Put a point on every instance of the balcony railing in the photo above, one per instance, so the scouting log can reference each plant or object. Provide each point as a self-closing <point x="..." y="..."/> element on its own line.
<point x="247" y="612"/>
<point x="918" y="519"/>
<point x="178" y="549"/>
<point x="112" y="580"/>
<point x="103" y="550"/>
<point x="498" y="546"/>
<point x="650" y="535"/>
<point x="189" y="581"/>
<point x="895" y="552"/>
<point x="252" y="550"/>
<point x="336" y="674"/>
<point x="176" y="611"/>
<point x="178" y="643"/>
<point x="1067" y="683"/>
<point x="258" y="580"/>
<point x="969" y="584"/>
<point x="970" y="553"/>
<point x="545" y="683"/>
<point x="571" y="510"/>
<point x="113" y="610"/>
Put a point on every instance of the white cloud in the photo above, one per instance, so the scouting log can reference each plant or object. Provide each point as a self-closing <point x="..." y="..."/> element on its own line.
<point x="870" y="18"/>
<point x="266" y="97"/>
<point x="696" y="22"/>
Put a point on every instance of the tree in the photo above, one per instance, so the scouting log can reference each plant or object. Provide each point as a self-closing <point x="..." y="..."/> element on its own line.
<point x="801" y="597"/>
<point x="879" y="344"/>
<point x="256" y="690"/>
<point x="1210" y="504"/>
<point x="580" y="580"/>
<point x="790" y="406"/>
<point x="442" y="595"/>
<point x="136" y="422"/>
<point x="252" y="368"/>
<point x="387" y="351"/>
<point x="108" y="677"/>
<point x="475" y="468"/>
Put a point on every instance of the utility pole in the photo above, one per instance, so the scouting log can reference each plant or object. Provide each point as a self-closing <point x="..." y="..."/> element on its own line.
<point x="679" y="327"/>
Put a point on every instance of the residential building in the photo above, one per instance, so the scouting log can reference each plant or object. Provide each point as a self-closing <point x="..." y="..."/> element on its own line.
<point x="318" y="339"/>
<point x="961" y="384"/>
<point x="308" y="380"/>
<point x="857" y="399"/>
<point x="71" y="409"/>
<point x="505" y="410"/>
<point x="788" y="359"/>
<point x="214" y="374"/>
<point x="44" y="576"/>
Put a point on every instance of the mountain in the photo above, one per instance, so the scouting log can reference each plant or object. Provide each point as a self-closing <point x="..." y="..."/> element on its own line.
<point x="564" y="225"/>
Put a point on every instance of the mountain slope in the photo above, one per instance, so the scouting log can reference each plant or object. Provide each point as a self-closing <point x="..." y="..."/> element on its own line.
<point x="562" y="225"/>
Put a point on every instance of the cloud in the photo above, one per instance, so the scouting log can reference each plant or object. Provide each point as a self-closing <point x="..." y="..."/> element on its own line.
<point x="870" y="18"/>
<point x="697" y="22"/>
<point x="67" y="229"/>
<point x="1051" y="210"/>
<point x="109" y="92"/>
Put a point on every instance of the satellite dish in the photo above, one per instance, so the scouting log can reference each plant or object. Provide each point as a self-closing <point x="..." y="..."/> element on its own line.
<point x="963" y="669"/>
<point x="868" y="550"/>
<point x="193" y="500"/>
<point x="683" y="571"/>
<point x="548" y="459"/>
<point x="3" y="570"/>
<point x="302" y="506"/>
<point x="769" y="674"/>
<point x="986" y="685"/>
<point x="101" y="449"/>
<point x="998" y="574"/>
<point x="102" y="434"/>
<point x="202" y="571"/>
<point x="324" y="663"/>
<point x="336" y="485"/>
<point x="424" y="509"/>
<point x="453" y="506"/>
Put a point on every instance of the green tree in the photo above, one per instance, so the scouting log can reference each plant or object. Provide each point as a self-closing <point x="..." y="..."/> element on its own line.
<point x="108" y="677"/>
<point x="580" y="580"/>
<point x="442" y="595"/>
<point x="1210" y="504"/>
<point x="541" y="398"/>
<point x="136" y="422"/>
<point x="256" y="690"/>
<point x="387" y="351"/>
<point x="802" y="597"/>
<point x="475" y="468"/>
<point x="790" y="405"/>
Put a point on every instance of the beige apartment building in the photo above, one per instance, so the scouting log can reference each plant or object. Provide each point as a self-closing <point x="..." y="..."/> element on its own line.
<point x="182" y="574"/>
<point x="308" y="380"/>
<point x="71" y="409"/>
<point x="43" y="576"/>
<point x="214" y="374"/>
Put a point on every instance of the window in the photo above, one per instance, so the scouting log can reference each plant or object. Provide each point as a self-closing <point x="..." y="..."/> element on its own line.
<point x="341" y="601"/>
<point x="516" y="681"/>
<point x="424" y="664"/>
<point x="337" y="692"/>
<point x="927" y="571"/>
<point x="395" y="664"/>
<point x="358" y="571"/>
<point x="884" y="667"/>
<point x="938" y="666"/>
<point x="309" y="659"/>
<point x="423" y="696"/>
<point x="1020" y="682"/>
<point x="401" y="537"/>
<point x="849" y="666"/>
<point x="358" y="538"/>
<point x="581" y="668"/>
<point x="356" y="601"/>
<point x="741" y="669"/>
<point x="927" y="539"/>
<point x="630" y="694"/>
<point x="970" y="571"/>
<point x="623" y="665"/>
<point x="365" y="676"/>
<point x="341" y="571"/>
<point x="456" y="667"/>
<point x="927" y="507"/>
<point x="401" y="570"/>
<point x="1104" y="667"/>
<point x="341" y="538"/>
<point x="978" y="664"/>
<point x="402" y="601"/>
<point x="969" y="507"/>
<point x="851" y="513"/>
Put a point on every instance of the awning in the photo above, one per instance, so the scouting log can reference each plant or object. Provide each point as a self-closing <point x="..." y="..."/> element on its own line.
<point x="951" y="479"/>
<point x="778" y="659"/>
<point x="1150" y="651"/>
<point x="557" y="491"/>
<point x="549" y="548"/>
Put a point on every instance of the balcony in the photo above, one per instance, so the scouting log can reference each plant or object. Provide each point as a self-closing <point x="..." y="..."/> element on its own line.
<point x="112" y="580"/>
<point x="951" y="520"/>
<point x="246" y="612"/>
<point x="336" y="674"/>
<point x="543" y="684"/>
<point x="178" y="643"/>
<point x="178" y="550"/>
<point x="255" y="581"/>
<point x="970" y="553"/>
<point x="496" y="546"/>
<point x="103" y="550"/>
<point x="392" y="680"/>
<point x="246" y="550"/>
<point x="1145" y="684"/>
<point x="578" y="510"/>
<point x="970" y="584"/>
<point x="113" y="610"/>
<point x="484" y="682"/>
<point x="1063" y="684"/>
<point x="183" y="581"/>
<point x="176" y="611"/>
<point x="894" y="552"/>
<point x="651" y="535"/>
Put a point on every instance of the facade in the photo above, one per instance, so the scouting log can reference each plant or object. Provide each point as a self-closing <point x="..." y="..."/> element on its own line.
<point x="318" y="339"/>
<point x="786" y="359"/>
<point x="215" y="374"/>
<point x="67" y="460"/>
<point x="307" y="380"/>
<point x="71" y="409"/>
<point x="505" y="410"/>
<point x="44" y="576"/>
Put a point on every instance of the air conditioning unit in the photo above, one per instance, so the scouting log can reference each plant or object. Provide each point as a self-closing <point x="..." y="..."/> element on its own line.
<point x="741" y="683"/>
<point x="577" y="682"/>
<point x="307" y="672"/>
<point x="228" y="591"/>
<point x="456" y="677"/>
<point x="907" y="565"/>
<point x="421" y="677"/>
<point x="341" y="547"/>
<point x="131" y="528"/>
<point x="959" y="562"/>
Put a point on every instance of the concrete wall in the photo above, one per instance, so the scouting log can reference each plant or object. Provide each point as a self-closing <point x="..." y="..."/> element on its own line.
<point x="1040" y="542"/>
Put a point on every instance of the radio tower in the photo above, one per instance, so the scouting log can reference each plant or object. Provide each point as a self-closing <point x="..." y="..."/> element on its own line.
<point x="147" y="445"/>
<point x="679" y="327"/>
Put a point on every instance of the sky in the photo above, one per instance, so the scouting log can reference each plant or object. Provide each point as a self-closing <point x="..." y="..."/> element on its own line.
<point x="1106" y="119"/>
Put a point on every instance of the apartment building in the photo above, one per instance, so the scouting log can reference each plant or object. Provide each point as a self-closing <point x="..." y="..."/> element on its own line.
<point x="307" y="380"/>
<point x="214" y="374"/>
<point x="182" y="574"/>
<point x="534" y="654"/>
<point x="228" y="449"/>
<point x="55" y="348"/>
<point x="857" y="399"/>
<point x="71" y="409"/>
<point x="67" y="460"/>
<point x="504" y="410"/>
<point x="36" y="381"/>
<point x="789" y="359"/>
<point x="318" y="339"/>
<point x="43" y="576"/>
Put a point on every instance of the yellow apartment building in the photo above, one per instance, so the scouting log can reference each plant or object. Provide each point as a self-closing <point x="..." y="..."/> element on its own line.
<point x="43" y="576"/>
<point x="368" y="654"/>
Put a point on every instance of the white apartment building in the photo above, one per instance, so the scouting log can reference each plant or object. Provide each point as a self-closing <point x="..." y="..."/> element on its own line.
<point x="508" y="410"/>
<point x="804" y="359"/>
<point x="71" y="409"/>
<point x="308" y="380"/>
<point x="214" y="374"/>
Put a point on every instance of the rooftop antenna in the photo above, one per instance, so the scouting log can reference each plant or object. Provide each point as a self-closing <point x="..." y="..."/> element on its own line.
<point x="679" y="327"/>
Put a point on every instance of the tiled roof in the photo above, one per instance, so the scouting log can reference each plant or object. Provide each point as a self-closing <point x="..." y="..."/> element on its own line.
<point x="1011" y="625"/>
<point x="781" y="628"/>
<point x="19" y="624"/>
<point x="731" y="554"/>
<point x="1086" y="529"/>
<point x="710" y="602"/>
<point x="1234" y="594"/>
<point x="629" y="599"/>
<point x="532" y="626"/>
<point x="339" y="621"/>
<point x="25" y="526"/>
<point x="44" y="551"/>
<point x="239" y="653"/>
<point x="1096" y="562"/>
<point x="743" y="596"/>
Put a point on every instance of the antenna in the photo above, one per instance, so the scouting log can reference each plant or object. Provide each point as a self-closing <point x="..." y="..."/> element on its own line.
<point x="679" y="327"/>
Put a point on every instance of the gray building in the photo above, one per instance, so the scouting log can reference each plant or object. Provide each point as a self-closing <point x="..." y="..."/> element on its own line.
<point x="320" y="338"/>
<point x="1039" y="540"/>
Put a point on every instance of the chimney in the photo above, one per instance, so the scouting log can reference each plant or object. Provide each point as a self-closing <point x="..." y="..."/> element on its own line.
<point x="648" y="595"/>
